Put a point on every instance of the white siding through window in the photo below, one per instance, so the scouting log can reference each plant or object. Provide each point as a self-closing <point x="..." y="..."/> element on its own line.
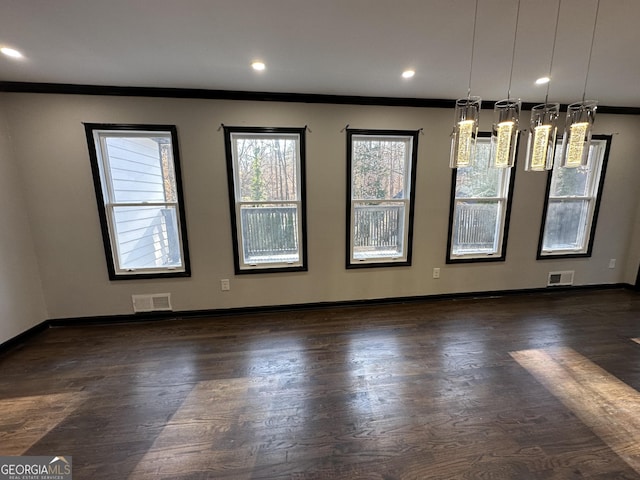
<point x="139" y="189"/>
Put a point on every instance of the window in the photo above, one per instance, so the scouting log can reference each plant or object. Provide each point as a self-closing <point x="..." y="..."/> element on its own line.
<point x="136" y="173"/>
<point x="266" y="172"/>
<point x="480" y="207"/>
<point x="572" y="202"/>
<point x="381" y="179"/>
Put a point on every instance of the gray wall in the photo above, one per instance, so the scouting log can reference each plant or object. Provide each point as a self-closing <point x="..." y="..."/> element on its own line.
<point x="21" y="301"/>
<point x="50" y="149"/>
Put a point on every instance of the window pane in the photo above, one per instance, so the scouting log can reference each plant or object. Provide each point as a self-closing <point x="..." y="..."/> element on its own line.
<point x="480" y="209"/>
<point x="381" y="171"/>
<point x="136" y="176"/>
<point x="479" y="180"/>
<point x="569" y="182"/>
<point x="378" y="168"/>
<point x="270" y="233"/>
<point x="378" y="230"/>
<point x="141" y="169"/>
<point x="266" y="172"/>
<point x="267" y="168"/>
<point x="475" y="227"/>
<point x="565" y="225"/>
<point x="147" y="237"/>
<point x="571" y="210"/>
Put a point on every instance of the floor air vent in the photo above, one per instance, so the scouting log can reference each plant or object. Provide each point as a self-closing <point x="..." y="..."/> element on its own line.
<point x="558" y="279"/>
<point x="152" y="303"/>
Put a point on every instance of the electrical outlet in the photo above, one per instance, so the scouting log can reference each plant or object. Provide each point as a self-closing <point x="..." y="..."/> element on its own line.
<point x="612" y="263"/>
<point x="436" y="273"/>
<point x="225" y="286"/>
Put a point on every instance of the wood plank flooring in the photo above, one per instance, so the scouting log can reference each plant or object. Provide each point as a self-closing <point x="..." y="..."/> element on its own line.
<point x="540" y="386"/>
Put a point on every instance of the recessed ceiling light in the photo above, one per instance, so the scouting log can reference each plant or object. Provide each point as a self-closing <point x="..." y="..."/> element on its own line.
<point x="11" y="52"/>
<point x="542" y="80"/>
<point x="408" y="73"/>
<point x="259" y="66"/>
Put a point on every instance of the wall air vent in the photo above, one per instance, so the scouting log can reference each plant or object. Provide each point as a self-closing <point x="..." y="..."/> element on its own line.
<point x="156" y="302"/>
<point x="559" y="279"/>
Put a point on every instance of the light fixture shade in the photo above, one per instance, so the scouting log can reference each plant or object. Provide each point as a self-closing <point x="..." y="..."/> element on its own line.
<point x="465" y="131"/>
<point x="543" y="129"/>
<point x="577" y="134"/>
<point x="504" y="134"/>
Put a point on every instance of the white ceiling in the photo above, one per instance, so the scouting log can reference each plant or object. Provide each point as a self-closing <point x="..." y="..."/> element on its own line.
<point x="337" y="47"/>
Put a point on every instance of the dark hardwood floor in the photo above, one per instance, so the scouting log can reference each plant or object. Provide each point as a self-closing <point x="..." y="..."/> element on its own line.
<point x="540" y="386"/>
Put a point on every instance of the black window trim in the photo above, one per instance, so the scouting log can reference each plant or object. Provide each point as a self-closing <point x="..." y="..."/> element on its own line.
<point x="596" y="207"/>
<point x="95" y="171"/>
<point x="415" y="134"/>
<point x="301" y="131"/>
<point x="507" y="219"/>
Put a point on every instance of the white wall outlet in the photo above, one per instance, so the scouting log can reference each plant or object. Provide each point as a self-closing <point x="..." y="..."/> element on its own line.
<point x="225" y="286"/>
<point x="436" y="273"/>
<point x="612" y="263"/>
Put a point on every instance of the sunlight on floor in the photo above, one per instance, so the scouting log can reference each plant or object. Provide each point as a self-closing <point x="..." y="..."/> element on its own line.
<point x="605" y="404"/>
<point x="25" y="420"/>
<point x="199" y="437"/>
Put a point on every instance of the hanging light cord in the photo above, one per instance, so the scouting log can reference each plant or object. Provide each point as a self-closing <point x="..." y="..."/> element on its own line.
<point x="553" y="51"/>
<point x="593" y="36"/>
<point x="513" y="53"/>
<point x="473" y="48"/>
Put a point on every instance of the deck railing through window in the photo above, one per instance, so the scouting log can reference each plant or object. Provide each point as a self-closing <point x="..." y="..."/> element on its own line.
<point x="378" y="227"/>
<point x="269" y="232"/>
<point x="475" y="226"/>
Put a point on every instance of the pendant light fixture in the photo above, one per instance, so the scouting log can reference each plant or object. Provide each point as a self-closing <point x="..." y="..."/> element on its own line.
<point x="467" y="116"/>
<point x="506" y="115"/>
<point x="579" y="121"/>
<point x="543" y="126"/>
